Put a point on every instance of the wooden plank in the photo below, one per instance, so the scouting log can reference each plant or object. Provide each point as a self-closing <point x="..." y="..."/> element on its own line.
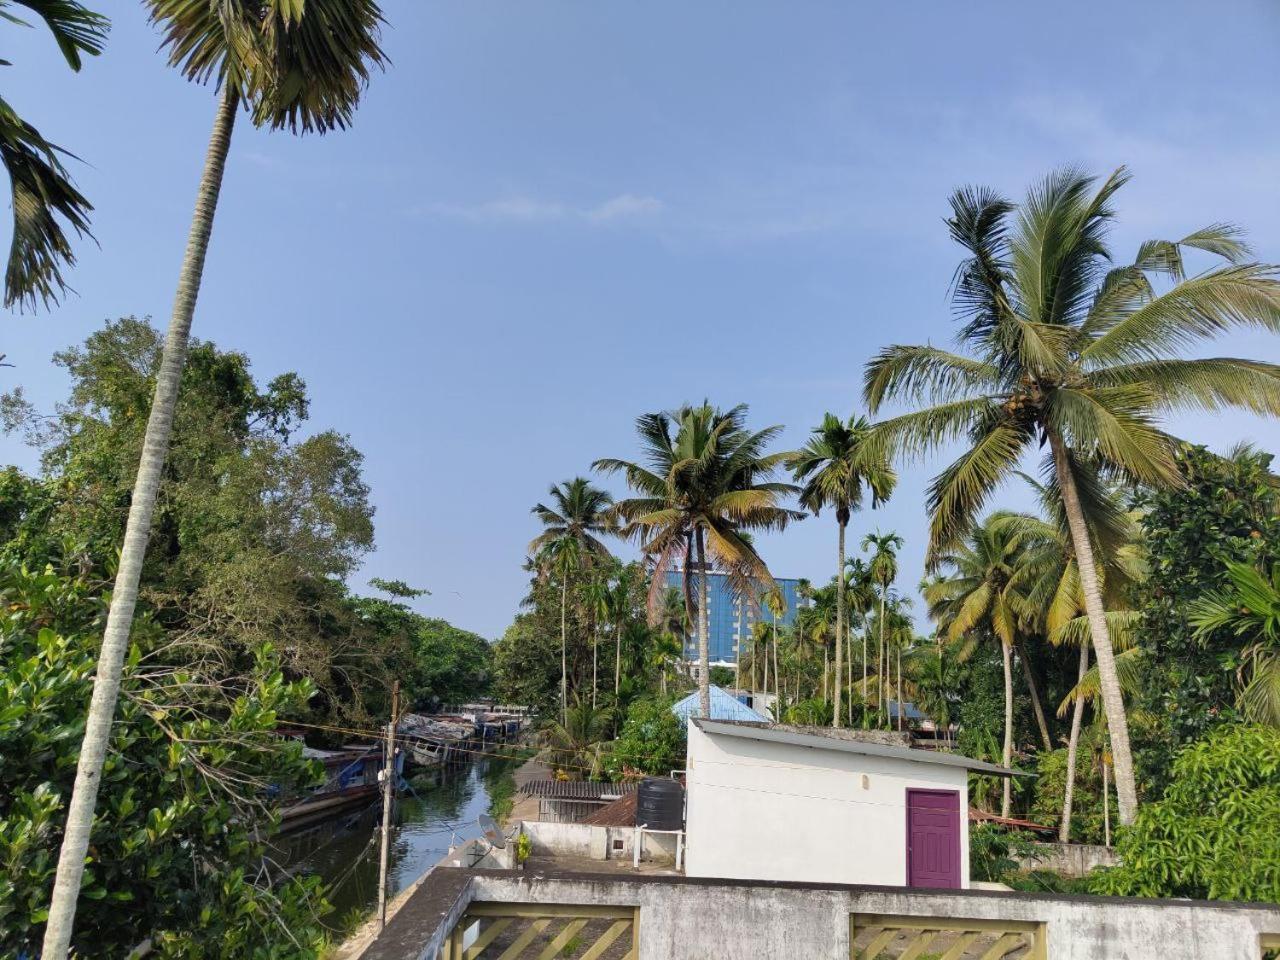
<point x="1004" y="945"/>
<point x="487" y="936"/>
<point x="497" y="908"/>
<point x="606" y="939"/>
<point x="878" y="943"/>
<point x="916" y="947"/>
<point x="564" y="936"/>
<point x="960" y="946"/>
<point x="945" y="923"/>
<point x="517" y="948"/>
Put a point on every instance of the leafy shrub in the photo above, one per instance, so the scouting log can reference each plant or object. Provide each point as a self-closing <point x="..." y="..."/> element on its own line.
<point x="995" y="852"/>
<point x="174" y="854"/>
<point x="1213" y="833"/>
<point x="814" y="712"/>
<point x="1086" y="807"/>
<point x="652" y="741"/>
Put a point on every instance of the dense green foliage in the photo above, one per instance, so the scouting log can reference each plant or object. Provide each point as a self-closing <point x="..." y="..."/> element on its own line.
<point x="1051" y="778"/>
<point x="652" y="741"/>
<point x="1213" y="832"/>
<point x="175" y="854"/>
<point x="1227" y="513"/>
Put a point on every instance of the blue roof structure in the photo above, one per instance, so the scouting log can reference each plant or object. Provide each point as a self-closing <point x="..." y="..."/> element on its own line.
<point x="724" y="706"/>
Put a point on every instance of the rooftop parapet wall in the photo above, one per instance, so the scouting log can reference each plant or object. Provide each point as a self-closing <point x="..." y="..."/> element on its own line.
<point x="696" y="919"/>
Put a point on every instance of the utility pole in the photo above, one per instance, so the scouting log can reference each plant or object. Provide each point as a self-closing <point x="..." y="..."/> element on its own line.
<point x="388" y="791"/>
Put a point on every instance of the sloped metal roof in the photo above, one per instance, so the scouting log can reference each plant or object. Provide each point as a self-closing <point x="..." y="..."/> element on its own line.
<point x="576" y="790"/>
<point x="724" y="706"/>
<point x="846" y="741"/>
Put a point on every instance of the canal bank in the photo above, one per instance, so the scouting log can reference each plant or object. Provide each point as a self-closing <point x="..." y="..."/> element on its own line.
<point x="440" y="810"/>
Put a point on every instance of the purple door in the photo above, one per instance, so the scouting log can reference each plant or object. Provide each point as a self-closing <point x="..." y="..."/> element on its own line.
<point x="933" y="838"/>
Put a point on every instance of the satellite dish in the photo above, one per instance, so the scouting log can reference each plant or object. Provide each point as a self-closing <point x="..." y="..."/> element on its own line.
<point x="492" y="832"/>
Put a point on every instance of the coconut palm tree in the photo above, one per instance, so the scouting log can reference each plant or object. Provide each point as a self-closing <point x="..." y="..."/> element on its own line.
<point x="296" y="64"/>
<point x="570" y="540"/>
<point x="595" y="597"/>
<point x="984" y="595"/>
<point x="42" y="193"/>
<point x="883" y="569"/>
<point x="705" y="481"/>
<point x="835" y="466"/>
<point x="1056" y="595"/>
<point x="1063" y="348"/>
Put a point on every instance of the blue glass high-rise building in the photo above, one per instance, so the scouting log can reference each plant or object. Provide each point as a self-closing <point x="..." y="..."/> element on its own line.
<point x="732" y="617"/>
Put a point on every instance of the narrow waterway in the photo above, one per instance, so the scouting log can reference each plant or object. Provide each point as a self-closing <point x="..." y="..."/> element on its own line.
<point x="440" y="811"/>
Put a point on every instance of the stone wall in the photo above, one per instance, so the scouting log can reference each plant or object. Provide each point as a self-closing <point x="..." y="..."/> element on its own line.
<point x="1070" y="859"/>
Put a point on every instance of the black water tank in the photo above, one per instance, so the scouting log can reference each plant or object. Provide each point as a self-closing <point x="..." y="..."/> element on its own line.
<point x="660" y="804"/>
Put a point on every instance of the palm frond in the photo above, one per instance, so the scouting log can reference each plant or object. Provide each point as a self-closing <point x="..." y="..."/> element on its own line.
<point x="924" y="374"/>
<point x="957" y="494"/>
<point x="1209" y="384"/>
<point x="76" y="29"/>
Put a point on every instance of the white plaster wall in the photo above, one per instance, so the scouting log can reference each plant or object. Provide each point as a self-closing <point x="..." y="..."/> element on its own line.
<point x="772" y="811"/>
<point x="596" y="843"/>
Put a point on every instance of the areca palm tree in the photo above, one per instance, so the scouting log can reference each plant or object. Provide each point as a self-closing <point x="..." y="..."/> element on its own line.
<point x="835" y="466"/>
<point x="985" y="595"/>
<point x="883" y="569"/>
<point x="295" y="64"/>
<point x="42" y="193"/>
<point x="570" y="538"/>
<point x="860" y="596"/>
<point x="1061" y="347"/>
<point x="703" y="483"/>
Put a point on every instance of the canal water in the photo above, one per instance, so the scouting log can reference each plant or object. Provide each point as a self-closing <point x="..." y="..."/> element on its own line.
<point x="440" y="811"/>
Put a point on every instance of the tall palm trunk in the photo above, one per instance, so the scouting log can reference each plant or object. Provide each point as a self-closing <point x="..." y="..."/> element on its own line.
<point x="882" y="695"/>
<point x="595" y="663"/>
<point x="1036" y="707"/>
<point x="1073" y="746"/>
<point x="564" y="647"/>
<point x="899" y="693"/>
<point x="617" y="662"/>
<point x="835" y="721"/>
<point x="848" y="642"/>
<point x="765" y="686"/>
<point x="124" y="594"/>
<point x="1109" y="681"/>
<point x="866" y="717"/>
<point x="1006" y="654"/>
<point x="704" y="626"/>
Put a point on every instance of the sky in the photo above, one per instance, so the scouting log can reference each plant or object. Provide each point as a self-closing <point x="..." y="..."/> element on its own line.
<point x="551" y="217"/>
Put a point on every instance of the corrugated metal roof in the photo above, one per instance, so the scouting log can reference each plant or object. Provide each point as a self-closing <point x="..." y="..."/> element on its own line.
<point x="724" y="706"/>
<point x="576" y="790"/>
<point x="619" y="813"/>
<point x="842" y="741"/>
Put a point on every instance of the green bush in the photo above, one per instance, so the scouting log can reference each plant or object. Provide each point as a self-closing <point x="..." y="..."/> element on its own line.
<point x="652" y="741"/>
<point x="995" y="852"/>
<point x="1086" y="807"/>
<point x="175" y="854"/>
<point x="1214" y="832"/>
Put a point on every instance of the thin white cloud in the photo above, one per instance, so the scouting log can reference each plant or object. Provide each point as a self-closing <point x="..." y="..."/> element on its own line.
<point x="525" y="209"/>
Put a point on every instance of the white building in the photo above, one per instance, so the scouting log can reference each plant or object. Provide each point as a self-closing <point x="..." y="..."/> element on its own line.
<point x="777" y="803"/>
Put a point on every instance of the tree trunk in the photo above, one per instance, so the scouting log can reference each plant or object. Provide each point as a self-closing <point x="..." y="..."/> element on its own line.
<point x="1073" y="746"/>
<point x="826" y="668"/>
<point x="124" y="593"/>
<point x="1036" y="706"/>
<point x="777" y="677"/>
<point x="564" y="648"/>
<point x="1006" y="655"/>
<point x="882" y="695"/>
<point x="835" y="722"/>
<point x="848" y="642"/>
<point x="704" y="627"/>
<point x="1112" y="698"/>
<point x="617" y="662"/>
<point x="899" y="693"/>
<point x="866" y="717"/>
<point x="595" y="662"/>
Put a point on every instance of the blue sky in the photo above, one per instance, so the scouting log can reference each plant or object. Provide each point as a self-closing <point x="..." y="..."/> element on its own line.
<point x="551" y="217"/>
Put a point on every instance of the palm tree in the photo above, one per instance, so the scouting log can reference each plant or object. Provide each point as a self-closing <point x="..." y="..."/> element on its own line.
<point x="860" y="596"/>
<point x="595" y="595"/>
<point x="985" y="595"/>
<point x="575" y="744"/>
<point x="300" y="64"/>
<point x="1249" y="608"/>
<point x="40" y="186"/>
<point x="570" y="538"/>
<point x="1057" y="597"/>
<point x="883" y="569"/>
<point x="834" y="466"/>
<point x="704" y="485"/>
<point x="1061" y="348"/>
